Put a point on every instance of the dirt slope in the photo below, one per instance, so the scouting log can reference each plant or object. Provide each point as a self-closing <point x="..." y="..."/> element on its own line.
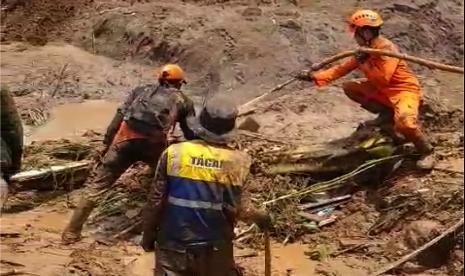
<point x="72" y="51"/>
<point x="240" y="48"/>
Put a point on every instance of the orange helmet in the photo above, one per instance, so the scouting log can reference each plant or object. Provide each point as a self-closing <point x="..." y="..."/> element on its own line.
<point x="364" y="18"/>
<point x="171" y="72"/>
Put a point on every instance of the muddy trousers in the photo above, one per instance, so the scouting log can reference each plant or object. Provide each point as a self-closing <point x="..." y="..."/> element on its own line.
<point x="116" y="161"/>
<point x="401" y="108"/>
<point x="198" y="260"/>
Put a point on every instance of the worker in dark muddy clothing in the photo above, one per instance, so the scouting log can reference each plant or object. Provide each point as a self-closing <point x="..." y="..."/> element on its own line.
<point x="197" y="196"/>
<point x="11" y="148"/>
<point x="138" y="132"/>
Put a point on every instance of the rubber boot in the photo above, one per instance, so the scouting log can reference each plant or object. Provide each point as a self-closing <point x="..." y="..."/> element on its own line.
<point x="72" y="232"/>
<point x="426" y="151"/>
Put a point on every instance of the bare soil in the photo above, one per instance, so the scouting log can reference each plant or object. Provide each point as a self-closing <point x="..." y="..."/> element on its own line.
<point x="70" y="63"/>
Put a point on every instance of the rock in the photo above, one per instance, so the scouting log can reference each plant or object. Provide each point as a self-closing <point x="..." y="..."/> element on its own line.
<point x="413" y="268"/>
<point x="420" y="232"/>
<point x="252" y="11"/>
<point x="409" y="6"/>
<point x="249" y="124"/>
<point x="405" y="7"/>
<point x="291" y="24"/>
<point x="295" y="2"/>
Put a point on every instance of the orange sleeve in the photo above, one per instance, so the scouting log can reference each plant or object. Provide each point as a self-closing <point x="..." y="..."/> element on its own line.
<point x="382" y="69"/>
<point x="325" y="77"/>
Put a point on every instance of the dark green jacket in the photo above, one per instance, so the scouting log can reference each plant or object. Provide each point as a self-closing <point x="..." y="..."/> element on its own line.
<point x="12" y="135"/>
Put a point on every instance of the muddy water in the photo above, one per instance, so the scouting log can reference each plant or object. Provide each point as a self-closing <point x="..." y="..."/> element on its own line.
<point x="70" y="120"/>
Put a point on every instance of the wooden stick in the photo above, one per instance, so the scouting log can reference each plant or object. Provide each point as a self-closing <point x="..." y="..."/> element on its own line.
<point x="267" y="253"/>
<point x="243" y="108"/>
<point x="345" y="54"/>
<point x="324" y="202"/>
<point x="11" y="272"/>
<point x="59" y="79"/>
<point x="261" y="136"/>
<point x="248" y="230"/>
<point x="93" y="42"/>
<point x="127" y="230"/>
<point x="47" y="178"/>
<point x="415" y="253"/>
<point x="16" y="272"/>
<point x="428" y="63"/>
<point x="37" y="174"/>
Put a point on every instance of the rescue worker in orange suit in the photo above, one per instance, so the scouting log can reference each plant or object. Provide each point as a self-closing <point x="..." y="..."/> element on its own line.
<point x="390" y="88"/>
<point x="196" y="197"/>
<point x="138" y="132"/>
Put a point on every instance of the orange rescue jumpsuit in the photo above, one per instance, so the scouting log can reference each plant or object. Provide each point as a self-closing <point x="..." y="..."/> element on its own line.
<point x="389" y="82"/>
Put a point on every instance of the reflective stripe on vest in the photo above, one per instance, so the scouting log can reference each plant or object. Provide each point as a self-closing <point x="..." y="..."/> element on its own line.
<point x="204" y="185"/>
<point x="194" y="204"/>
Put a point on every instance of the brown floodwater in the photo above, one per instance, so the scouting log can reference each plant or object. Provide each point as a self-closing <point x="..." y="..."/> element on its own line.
<point x="73" y="119"/>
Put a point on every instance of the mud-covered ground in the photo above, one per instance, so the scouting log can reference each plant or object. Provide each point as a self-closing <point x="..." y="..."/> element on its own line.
<point x="70" y="63"/>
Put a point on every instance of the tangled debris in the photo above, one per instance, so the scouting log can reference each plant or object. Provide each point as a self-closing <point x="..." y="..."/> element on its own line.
<point x="332" y="204"/>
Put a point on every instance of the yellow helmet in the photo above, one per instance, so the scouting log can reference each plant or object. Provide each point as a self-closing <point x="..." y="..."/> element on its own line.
<point x="171" y="72"/>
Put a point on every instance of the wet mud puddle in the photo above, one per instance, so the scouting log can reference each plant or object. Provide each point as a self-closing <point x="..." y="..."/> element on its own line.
<point x="74" y="119"/>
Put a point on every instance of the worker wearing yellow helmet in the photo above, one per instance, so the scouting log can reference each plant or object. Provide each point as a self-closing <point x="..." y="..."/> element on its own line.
<point x="138" y="132"/>
<point x="389" y="89"/>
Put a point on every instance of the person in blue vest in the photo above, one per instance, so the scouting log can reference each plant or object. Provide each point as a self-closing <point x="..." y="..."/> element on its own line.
<point x="197" y="196"/>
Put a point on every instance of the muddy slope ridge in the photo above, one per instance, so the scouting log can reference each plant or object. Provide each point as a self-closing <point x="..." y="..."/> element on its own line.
<point x="233" y="46"/>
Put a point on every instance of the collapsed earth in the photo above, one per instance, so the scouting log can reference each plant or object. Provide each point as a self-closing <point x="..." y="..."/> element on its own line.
<point x="231" y="137"/>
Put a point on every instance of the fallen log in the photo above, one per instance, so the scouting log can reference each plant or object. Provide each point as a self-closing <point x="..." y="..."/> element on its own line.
<point x="451" y="230"/>
<point x="301" y="168"/>
<point x="66" y="176"/>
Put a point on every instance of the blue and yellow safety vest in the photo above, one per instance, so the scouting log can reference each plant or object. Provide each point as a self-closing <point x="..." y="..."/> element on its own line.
<point x="203" y="191"/>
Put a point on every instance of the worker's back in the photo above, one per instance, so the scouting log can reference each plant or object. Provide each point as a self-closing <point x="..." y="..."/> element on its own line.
<point x="155" y="107"/>
<point x="204" y="184"/>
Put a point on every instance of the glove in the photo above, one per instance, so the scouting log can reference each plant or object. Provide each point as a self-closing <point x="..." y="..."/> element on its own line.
<point x="263" y="221"/>
<point x="361" y="57"/>
<point x="304" y="76"/>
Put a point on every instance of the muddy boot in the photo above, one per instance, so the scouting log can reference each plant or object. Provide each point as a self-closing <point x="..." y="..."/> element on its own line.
<point x="427" y="159"/>
<point x="72" y="233"/>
